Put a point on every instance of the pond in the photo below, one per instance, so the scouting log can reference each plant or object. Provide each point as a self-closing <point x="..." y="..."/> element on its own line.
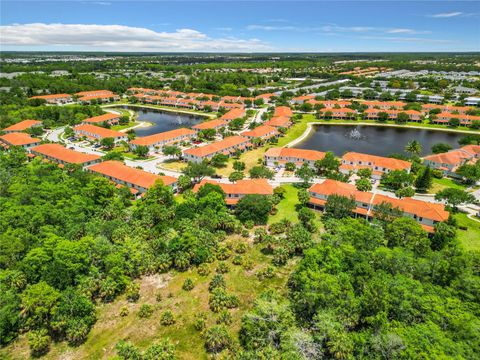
<point x="375" y="140"/>
<point x="163" y="120"/>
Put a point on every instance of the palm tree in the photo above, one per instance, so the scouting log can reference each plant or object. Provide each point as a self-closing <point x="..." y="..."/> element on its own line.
<point x="413" y="147"/>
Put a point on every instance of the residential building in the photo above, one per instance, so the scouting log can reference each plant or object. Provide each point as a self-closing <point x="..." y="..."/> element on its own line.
<point x="94" y="93"/>
<point x="279" y="122"/>
<point x="64" y="156"/>
<point x="137" y="180"/>
<point x="280" y="156"/>
<point x="427" y="214"/>
<point x="108" y="118"/>
<point x="263" y="132"/>
<point x="385" y="105"/>
<point x="212" y="124"/>
<point x="98" y="133"/>
<point x="233" y="114"/>
<point x="446" y="108"/>
<point x="159" y="140"/>
<point x="100" y="97"/>
<point x="339" y="113"/>
<point x="450" y="161"/>
<point x="18" y="139"/>
<point x="234" y="192"/>
<point x="374" y="114"/>
<point x="472" y="101"/>
<point x="353" y="161"/>
<point x="227" y="146"/>
<point x="447" y="117"/>
<point x="22" y="126"/>
<point x="56" y="99"/>
<point x="283" y="111"/>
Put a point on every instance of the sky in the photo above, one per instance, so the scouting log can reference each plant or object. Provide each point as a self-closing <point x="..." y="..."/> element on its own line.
<point x="240" y="26"/>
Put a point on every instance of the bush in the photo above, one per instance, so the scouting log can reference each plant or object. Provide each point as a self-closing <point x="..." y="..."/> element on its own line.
<point x="200" y="322"/>
<point x="39" y="342"/>
<point x="245" y="233"/>
<point x="188" y="284"/>
<point x="222" y="268"/>
<point x="267" y="273"/>
<point x="217" y="339"/>
<point x="203" y="270"/>
<point x="127" y="351"/>
<point x="220" y="300"/>
<point x="249" y="224"/>
<point x="124" y="311"/>
<point x="223" y="253"/>
<point x="248" y="264"/>
<point x="241" y="248"/>
<point x="280" y="256"/>
<point x="217" y="282"/>
<point x="132" y="292"/>
<point x="167" y="318"/>
<point x="237" y="260"/>
<point x="158" y="297"/>
<point x="146" y="310"/>
<point x="224" y="318"/>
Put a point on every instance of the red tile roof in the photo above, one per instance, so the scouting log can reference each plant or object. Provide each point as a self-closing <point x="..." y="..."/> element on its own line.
<point x="212" y="124"/>
<point x="233" y="114"/>
<point x="118" y="170"/>
<point x="332" y="187"/>
<point x="97" y="130"/>
<point x="61" y="153"/>
<point x="163" y="136"/>
<point x="23" y="125"/>
<point x="279" y="121"/>
<point x="260" y="131"/>
<point x="102" y="118"/>
<point x="18" y="139"/>
<point x="283" y="111"/>
<point x="51" y="96"/>
<point x="241" y="187"/>
<point x="311" y="155"/>
<point x="384" y="162"/>
<point x="217" y="147"/>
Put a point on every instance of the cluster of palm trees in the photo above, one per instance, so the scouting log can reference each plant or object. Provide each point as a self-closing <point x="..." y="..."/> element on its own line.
<point x="414" y="147"/>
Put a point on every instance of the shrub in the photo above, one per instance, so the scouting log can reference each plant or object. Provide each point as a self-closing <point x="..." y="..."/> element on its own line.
<point x="217" y="282"/>
<point x="203" y="270"/>
<point x="158" y="297"/>
<point x="222" y="268"/>
<point x="245" y="233"/>
<point x="146" y="310"/>
<point x="280" y="256"/>
<point x="217" y="339"/>
<point x="266" y="273"/>
<point x="188" y="284"/>
<point x="248" y="264"/>
<point x="237" y="260"/>
<point x="241" y="248"/>
<point x="39" y="342"/>
<point x="132" y="292"/>
<point x="220" y="299"/>
<point x="200" y="322"/>
<point x="124" y="311"/>
<point x="127" y="351"/>
<point x="223" y="253"/>
<point x="224" y="318"/>
<point x="249" y="224"/>
<point x="167" y="318"/>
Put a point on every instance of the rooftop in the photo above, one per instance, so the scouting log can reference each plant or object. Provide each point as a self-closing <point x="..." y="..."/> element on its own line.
<point x="163" y="136"/>
<point x="23" y="125"/>
<point x="59" y="152"/>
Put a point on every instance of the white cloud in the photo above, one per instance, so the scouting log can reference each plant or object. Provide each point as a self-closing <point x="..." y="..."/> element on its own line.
<point x="119" y="38"/>
<point x="407" y="31"/>
<point x="447" y="15"/>
<point x="407" y="39"/>
<point x="330" y="28"/>
<point x="273" y="28"/>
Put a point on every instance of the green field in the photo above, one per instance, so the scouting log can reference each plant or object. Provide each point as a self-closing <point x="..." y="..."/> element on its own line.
<point x="469" y="238"/>
<point x="443" y="183"/>
<point x="286" y="207"/>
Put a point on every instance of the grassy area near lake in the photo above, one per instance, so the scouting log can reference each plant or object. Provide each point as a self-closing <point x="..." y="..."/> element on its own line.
<point x="470" y="238"/>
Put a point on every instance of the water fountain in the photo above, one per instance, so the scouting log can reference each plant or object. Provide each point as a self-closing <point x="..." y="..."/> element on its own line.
<point x="355" y="134"/>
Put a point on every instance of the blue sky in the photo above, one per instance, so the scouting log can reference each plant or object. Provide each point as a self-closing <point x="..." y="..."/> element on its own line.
<point x="243" y="26"/>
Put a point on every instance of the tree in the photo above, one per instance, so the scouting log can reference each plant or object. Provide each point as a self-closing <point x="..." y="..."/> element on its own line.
<point x="339" y="207"/>
<point x="470" y="173"/>
<point x="172" y="150"/>
<point x="254" y="208"/>
<point x="363" y="184"/>
<point x="39" y="304"/>
<point x="402" y="118"/>
<point x="113" y="155"/>
<point x="328" y="164"/>
<point x="365" y="173"/>
<point x="424" y="179"/>
<point x="413" y="147"/>
<point x="235" y="176"/>
<point x="238" y="165"/>
<point x="382" y="116"/>
<point x="219" y="160"/>
<point x="405" y="192"/>
<point x="184" y="182"/>
<point x="290" y="166"/>
<point x="454" y="122"/>
<point x="207" y="134"/>
<point x="408" y="233"/>
<point x="441" y="148"/>
<point x="455" y="197"/>
<point x="385" y="212"/>
<point x="108" y="143"/>
<point x="397" y="179"/>
<point x="305" y="173"/>
<point x="141" y="150"/>
<point x="217" y="339"/>
<point x="303" y="196"/>
<point x="258" y="172"/>
<point x="197" y="171"/>
<point x="39" y="342"/>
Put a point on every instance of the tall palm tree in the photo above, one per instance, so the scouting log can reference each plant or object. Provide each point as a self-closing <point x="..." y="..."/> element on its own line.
<point x="413" y="147"/>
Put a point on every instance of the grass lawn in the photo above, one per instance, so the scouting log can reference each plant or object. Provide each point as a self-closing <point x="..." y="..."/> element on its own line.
<point x="125" y="126"/>
<point x="111" y="327"/>
<point x="174" y="165"/>
<point x="469" y="238"/>
<point x="443" y="183"/>
<point x="286" y="207"/>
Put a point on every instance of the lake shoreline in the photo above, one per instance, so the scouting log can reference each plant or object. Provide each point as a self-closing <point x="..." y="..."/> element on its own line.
<point x="311" y="125"/>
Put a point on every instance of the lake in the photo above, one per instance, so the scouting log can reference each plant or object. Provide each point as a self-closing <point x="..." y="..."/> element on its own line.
<point x="376" y="140"/>
<point x="163" y="120"/>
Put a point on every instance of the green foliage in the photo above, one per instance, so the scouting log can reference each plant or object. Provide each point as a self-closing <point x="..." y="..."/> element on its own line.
<point x="132" y="292"/>
<point x="441" y="148"/>
<point x="363" y="184"/>
<point x="424" y="179"/>
<point x="258" y="172"/>
<point x="141" y="150"/>
<point x="339" y="207"/>
<point x="167" y="318"/>
<point x="39" y="342"/>
<point x="188" y="284"/>
<point x="198" y="171"/>
<point x="455" y="197"/>
<point x="219" y="160"/>
<point x="146" y="310"/>
<point x="397" y="179"/>
<point x="217" y="339"/>
<point x="255" y="208"/>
